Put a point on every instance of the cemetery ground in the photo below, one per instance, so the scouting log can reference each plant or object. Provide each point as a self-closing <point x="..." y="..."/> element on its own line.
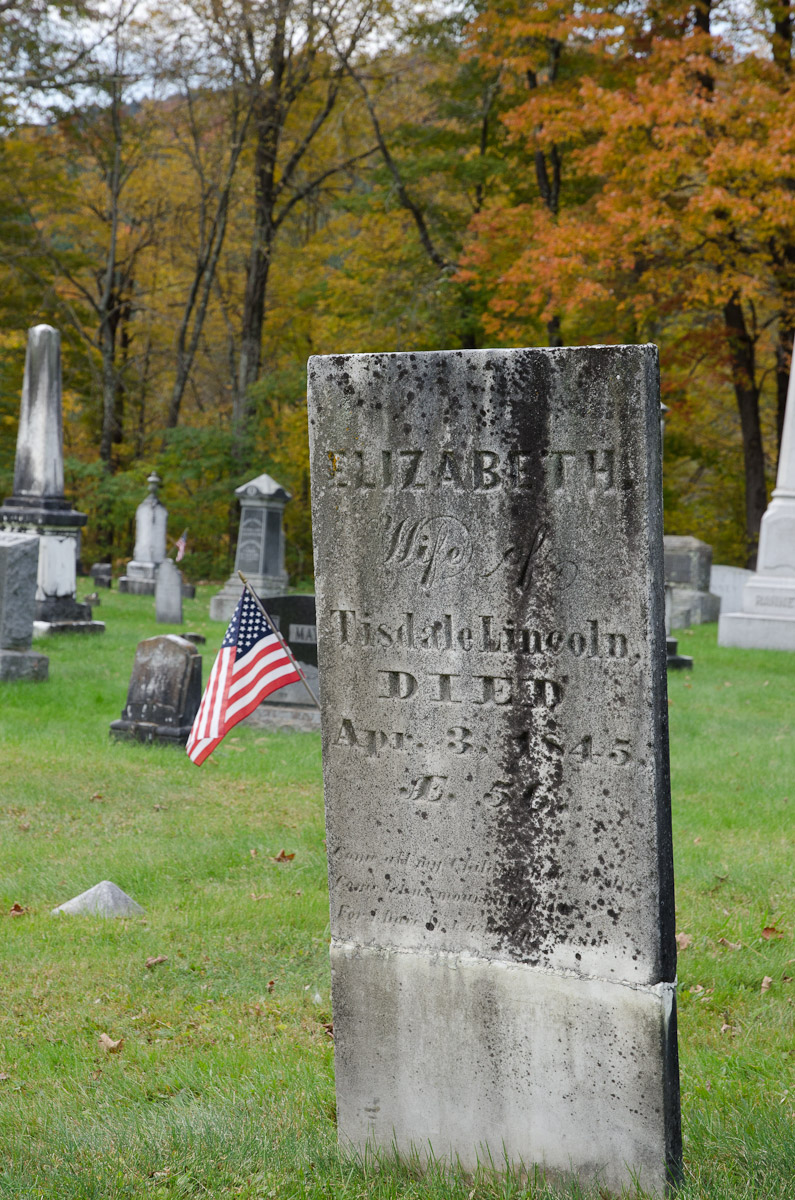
<point x="216" y="1075"/>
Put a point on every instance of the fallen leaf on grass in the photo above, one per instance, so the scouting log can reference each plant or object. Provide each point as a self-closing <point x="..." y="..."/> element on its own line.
<point x="329" y="1028"/>
<point x="24" y="826"/>
<point x="271" y="984"/>
<point x="696" y="841"/>
<point x="253" y="853"/>
<point x="108" y="1044"/>
<point x="158" y="807"/>
<point x="282" y="856"/>
<point x="770" y="931"/>
<point x="767" y="983"/>
<point x="155" y="962"/>
<point x="696" y="989"/>
<point x="4" y="1076"/>
<point x="683" y="940"/>
<point x="16" y="910"/>
<point x="730" y="945"/>
<point x="96" y="796"/>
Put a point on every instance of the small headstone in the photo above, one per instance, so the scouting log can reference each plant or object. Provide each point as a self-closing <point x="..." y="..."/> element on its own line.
<point x="102" y="575"/>
<point x="489" y="565"/>
<point x="38" y="504"/>
<point x="165" y="691"/>
<point x="292" y="707"/>
<point x="198" y="639"/>
<point x="103" y="900"/>
<point x="19" y="562"/>
<point x="766" y="620"/>
<point x="168" y="593"/>
<point x="151" y="518"/>
<point x="260" y="545"/>
<point x="688" y="563"/>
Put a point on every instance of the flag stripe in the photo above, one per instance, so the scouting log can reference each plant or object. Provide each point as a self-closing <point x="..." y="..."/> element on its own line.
<point x="269" y="683"/>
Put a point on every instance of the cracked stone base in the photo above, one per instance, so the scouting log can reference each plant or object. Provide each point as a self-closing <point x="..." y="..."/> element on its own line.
<point x="475" y="1060"/>
<point x="23" y="664"/>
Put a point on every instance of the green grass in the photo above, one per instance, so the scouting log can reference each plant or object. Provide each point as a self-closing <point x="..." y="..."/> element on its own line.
<point x="224" y="1083"/>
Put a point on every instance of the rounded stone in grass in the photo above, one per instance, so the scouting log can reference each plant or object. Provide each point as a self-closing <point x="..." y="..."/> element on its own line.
<point x="103" y="900"/>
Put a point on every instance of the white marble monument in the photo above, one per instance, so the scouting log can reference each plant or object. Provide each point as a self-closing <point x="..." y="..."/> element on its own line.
<point x="260" y="545"/>
<point x="38" y="504"/>
<point x="151" y="518"/>
<point x="767" y="620"/>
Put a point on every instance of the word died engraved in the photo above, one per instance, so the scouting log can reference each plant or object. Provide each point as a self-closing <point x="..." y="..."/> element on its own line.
<point x="451" y="688"/>
<point x="486" y="635"/>
<point x="571" y="472"/>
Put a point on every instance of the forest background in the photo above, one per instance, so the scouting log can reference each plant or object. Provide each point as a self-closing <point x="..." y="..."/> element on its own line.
<point x="200" y="195"/>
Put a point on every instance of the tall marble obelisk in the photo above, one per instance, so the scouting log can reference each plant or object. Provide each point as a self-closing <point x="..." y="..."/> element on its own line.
<point x="38" y="504"/>
<point x="767" y="621"/>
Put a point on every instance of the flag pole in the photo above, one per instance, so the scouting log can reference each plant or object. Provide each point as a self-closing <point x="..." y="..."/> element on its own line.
<point x="287" y="649"/>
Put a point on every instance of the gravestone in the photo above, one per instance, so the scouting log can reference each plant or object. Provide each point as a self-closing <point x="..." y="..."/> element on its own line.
<point x="292" y="707"/>
<point x="38" y="504"/>
<point x="490" y="611"/>
<point x="688" y="564"/>
<point x="260" y="545"/>
<point x="168" y="593"/>
<point x="151" y="518"/>
<point x="102" y="575"/>
<point x="19" y="564"/>
<point x="767" y="618"/>
<point x="165" y="692"/>
<point x="104" y="899"/>
<point x="727" y="584"/>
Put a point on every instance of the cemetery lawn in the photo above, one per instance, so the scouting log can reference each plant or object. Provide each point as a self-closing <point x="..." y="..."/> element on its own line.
<point x="221" y="1084"/>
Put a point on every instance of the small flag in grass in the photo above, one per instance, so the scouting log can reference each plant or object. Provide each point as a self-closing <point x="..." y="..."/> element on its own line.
<point x="253" y="662"/>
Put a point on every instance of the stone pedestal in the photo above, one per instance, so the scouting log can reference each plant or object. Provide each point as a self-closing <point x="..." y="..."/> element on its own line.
<point x="19" y="555"/>
<point x="164" y="694"/>
<point x="38" y="504"/>
<point x="767" y="619"/>
<point x="688" y="562"/>
<point x="260" y="545"/>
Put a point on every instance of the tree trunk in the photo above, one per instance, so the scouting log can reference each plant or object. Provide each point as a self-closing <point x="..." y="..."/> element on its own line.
<point x="742" y="354"/>
<point x="786" y="335"/>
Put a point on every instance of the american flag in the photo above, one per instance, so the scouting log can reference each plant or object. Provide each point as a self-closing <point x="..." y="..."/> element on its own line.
<point x="181" y="544"/>
<point x="251" y="663"/>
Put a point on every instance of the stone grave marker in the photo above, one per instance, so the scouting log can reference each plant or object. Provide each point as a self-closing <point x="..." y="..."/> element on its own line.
<point x="165" y="691"/>
<point x="38" y="504"/>
<point x="151" y="518"/>
<point x="168" y="593"/>
<point x="105" y="899"/>
<point x="291" y="707"/>
<point x="492" y="656"/>
<point x="102" y="575"/>
<point x="260" y="545"/>
<point x="766" y="619"/>
<point x="19" y="564"/>
<point x="688" y="564"/>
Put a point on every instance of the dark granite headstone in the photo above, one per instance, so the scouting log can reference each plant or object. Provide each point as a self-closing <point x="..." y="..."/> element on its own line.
<point x="165" y="691"/>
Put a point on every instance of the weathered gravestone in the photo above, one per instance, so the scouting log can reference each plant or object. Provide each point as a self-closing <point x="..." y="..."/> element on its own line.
<point x="38" y="504"/>
<point x="102" y="575"/>
<point x="688" y="563"/>
<point x="168" y="593"/>
<point x="151" y="518"/>
<point x="260" y="545"/>
<point x="165" y="691"/>
<point x="292" y="707"/>
<point x="19" y="564"/>
<point x="489" y="568"/>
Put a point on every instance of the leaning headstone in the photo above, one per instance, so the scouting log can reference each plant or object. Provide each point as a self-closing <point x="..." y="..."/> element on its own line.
<point x="103" y="900"/>
<point x="165" y="692"/>
<point x="168" y="593"/>
<point x="688" y="563"/>
<point x="38" y="504"/>
<point x="489" y="566"/>
<point x="767" y="618"/>
<point x="260" y="545"/>
<point x="19" y="564"/>
<point x="151" y="518"/>
<point x="292" y="707"/>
